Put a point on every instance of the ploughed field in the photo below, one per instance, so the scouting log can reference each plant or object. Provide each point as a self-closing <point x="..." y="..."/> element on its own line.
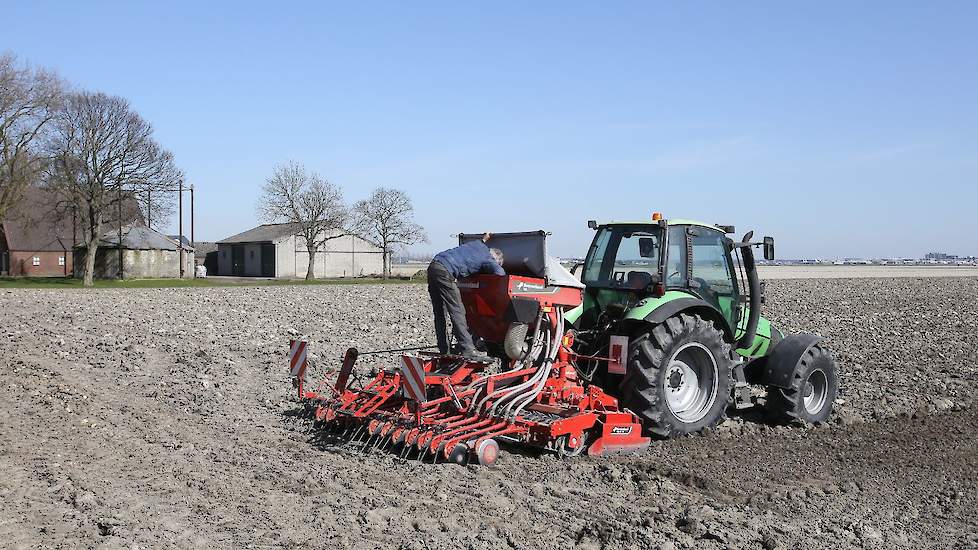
<point x="161" y="418"/>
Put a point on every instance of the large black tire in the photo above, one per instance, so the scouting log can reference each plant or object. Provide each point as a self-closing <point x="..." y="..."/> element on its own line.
<point x="817" y="379"/>
<point x="657" y="360"/>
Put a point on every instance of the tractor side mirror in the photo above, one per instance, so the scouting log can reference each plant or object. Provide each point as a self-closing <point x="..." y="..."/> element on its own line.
<point x="592" y="224"/>
<point x="646" y="247"/>
<point x="575" y="268"/>
<point x="769" y="248"/>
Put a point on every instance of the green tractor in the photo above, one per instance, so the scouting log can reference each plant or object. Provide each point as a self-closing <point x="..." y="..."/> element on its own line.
<point x="678" y="303"/>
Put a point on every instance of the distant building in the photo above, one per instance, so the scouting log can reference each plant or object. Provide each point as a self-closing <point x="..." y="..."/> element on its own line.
<point x="146" y="254"/>
<point x="36" y="239"/>
<point x="940" y="256"/>
<point x="205" y="254"/>
<point x="40" y="233"/>
<point x="278" y="250"/>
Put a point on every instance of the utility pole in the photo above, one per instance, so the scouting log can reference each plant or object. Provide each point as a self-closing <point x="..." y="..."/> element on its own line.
<point x="180" y="243"/>
<point x="193" y="243"/>
<point x="119" y="214"/>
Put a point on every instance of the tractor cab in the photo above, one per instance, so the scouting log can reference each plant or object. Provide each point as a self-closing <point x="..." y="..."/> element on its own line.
<point x="646" y="265"/>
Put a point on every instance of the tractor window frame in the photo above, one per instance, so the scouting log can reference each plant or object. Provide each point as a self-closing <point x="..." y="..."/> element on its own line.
<point x="689" y="232"/>
<point x="723" y="243"/>
<point x="677" y="241"/>
<point x="598" y="272"/>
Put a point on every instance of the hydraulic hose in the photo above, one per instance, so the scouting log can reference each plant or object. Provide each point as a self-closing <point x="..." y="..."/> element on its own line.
<point x="531" y="356"/>
<point x="524" y="388"/>
<point x="558" y="335"/>
<point x="508" y="391"/>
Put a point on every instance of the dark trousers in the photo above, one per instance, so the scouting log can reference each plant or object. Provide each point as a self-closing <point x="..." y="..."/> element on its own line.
<point x="445" y="296"/>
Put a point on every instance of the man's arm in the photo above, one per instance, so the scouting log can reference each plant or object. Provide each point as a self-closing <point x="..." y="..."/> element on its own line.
<point x="492" y="267"/>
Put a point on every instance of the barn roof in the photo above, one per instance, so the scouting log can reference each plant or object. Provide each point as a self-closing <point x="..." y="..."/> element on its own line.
<point x="204" y="247"/>
<point x="32" y="236"/>
<point x="138" y="237"/>
<point x="266" y="233"/>
<point x="177" y="238"/>
<point x="36" y="225"/>
<point x="275" y="232"/>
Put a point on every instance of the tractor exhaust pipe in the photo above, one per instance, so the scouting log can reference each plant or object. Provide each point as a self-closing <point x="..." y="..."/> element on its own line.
<point x="754" y="286"/>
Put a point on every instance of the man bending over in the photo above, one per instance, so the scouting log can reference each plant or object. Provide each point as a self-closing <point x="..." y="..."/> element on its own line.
<point x="468" y="259"/>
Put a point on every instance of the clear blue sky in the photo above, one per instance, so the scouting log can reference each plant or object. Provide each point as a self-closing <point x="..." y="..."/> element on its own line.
<point x="841" y="128"/>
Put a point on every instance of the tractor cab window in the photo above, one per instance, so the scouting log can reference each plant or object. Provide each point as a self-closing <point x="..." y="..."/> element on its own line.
<point x="713" y="276"/>
<point x="676" y="264"/>
<point x="623" y="257"/>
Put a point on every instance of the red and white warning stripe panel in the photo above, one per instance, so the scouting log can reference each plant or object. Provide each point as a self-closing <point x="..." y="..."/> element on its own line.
<point x="297" y="358"/>
<point x="618" y="352"/>
<point x="412" y="378"/>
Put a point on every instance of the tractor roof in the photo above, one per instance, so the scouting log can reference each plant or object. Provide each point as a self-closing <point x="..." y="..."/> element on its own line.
<point x="677" y="221"/>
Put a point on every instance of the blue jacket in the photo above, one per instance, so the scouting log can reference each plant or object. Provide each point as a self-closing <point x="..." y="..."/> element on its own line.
<point x="469" y="258"/>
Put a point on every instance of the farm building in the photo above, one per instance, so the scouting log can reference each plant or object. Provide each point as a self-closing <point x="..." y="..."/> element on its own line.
<point x="35" y="238"/>
<point x="278" y="250"/>
<point x="205" y="254"/>
<point x="146" y="254"/>
<point x="34" y="250"/>
<point x="39" y="234"/>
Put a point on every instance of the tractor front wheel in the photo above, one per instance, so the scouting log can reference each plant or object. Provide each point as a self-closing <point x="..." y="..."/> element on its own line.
<point x="814" y="387"/>
<point x="678" y="376"/>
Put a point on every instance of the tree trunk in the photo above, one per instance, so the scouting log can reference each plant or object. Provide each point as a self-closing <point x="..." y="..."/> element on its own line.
<point x="311" y="273"/>
<point x="386" y="259"/>
<point x="91" y="249"/>
<point x="91" y="246"/>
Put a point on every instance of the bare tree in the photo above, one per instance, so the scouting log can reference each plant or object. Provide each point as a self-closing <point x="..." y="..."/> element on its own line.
<point x="105" y="158"/>
<point x="304" y="198"/>
<point x="29" y="101"/>
<point x="387" y="218"/>
<point x="156" y="205"/>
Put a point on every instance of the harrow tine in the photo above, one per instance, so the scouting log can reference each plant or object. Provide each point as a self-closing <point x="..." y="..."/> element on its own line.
<point x="406" y="452"/>
<point x="357" y="434"/>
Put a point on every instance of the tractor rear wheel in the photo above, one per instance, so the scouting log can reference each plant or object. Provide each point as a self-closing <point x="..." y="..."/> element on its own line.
<point x="678" y="376"/>
<point x="814" y="387"/>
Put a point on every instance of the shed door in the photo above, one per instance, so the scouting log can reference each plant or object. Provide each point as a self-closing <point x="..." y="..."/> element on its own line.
<point x="237" y="260"/>
<point x="268" y="260"/>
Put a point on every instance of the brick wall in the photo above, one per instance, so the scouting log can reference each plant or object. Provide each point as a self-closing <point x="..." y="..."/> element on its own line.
<point x="22" y="264"/>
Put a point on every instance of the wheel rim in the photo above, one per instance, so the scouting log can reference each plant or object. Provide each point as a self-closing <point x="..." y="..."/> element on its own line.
<point x="565" y="451"/>
<point x="815" y="392"/>
<point x="691" y="382"/>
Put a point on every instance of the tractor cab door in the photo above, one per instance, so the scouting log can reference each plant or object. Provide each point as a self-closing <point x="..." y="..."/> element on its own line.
<point x="700" y="263"/>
